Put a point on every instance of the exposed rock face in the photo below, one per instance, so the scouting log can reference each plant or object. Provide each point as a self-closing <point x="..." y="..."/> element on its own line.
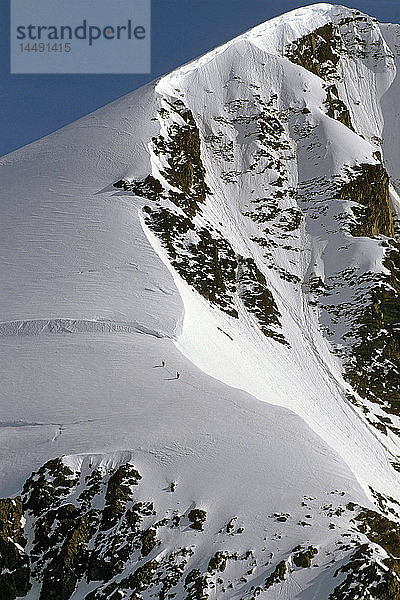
<point x="371" y="351"/>
<point x="118" y="493"/>
<point x="150" y="187"/>
<point x="257" y="298"/>
<point x="362" y="304"/>
<point x="303" y="558"/>
<point x="318" y="51"/>
<point x="374" y="368"/>
<point x="184" y="168"/>
<point x="180" y="153"/>
<point x="68" y="563"/>
<point x="369" y="187"/>
<point x="197" y="518"/>
<point x="47" y="487"/>
<point x="361" y="571"/>
<point x="208" y="264"/>
<point x="85" y="526"/>
<point x="277" y="576"/>
<point x="200" y="254"/>
<point x="336" y="108"/>
<point x="214" y="270"/>
<point x="14" y="563"/>
<point x="362" y="575"/>
<point x="104" y="535"/>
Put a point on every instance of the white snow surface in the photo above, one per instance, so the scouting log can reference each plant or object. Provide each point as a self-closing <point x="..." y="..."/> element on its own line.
<point x="90" y="304"/>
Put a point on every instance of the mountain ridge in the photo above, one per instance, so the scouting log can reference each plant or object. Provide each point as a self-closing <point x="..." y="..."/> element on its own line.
<point x="233" y="219"/>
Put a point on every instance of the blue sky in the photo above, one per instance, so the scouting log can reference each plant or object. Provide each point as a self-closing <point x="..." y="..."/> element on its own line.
<point x="32" y="106"/>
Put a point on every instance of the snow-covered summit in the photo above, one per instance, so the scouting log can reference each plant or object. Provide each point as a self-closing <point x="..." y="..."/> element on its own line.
<point x="235" y="219"/>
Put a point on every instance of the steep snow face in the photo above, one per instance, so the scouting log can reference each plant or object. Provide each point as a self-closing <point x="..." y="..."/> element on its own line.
<point x="234" y="219"/>
<point x="291" y="119"/>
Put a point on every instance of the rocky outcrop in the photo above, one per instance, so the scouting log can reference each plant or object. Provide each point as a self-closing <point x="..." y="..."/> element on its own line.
<point x="89" y="531"/>
<point x="179" y="152"/>
<point x="197" y="518"/>
<point x="14" y="562"/>
<point x="277" y="575"/>
<point x="302" y="558"/>
<point x="208" y="264"/>
<point x="184" y="169"/>
<point x="374" y="366"/>
<point x="214" y="270"/>
<point x="368" y="186"/>
<point x="257" y="298"/>
<point x="336" y="108"/>
<point x="86" y="525"/>
<point x="318" y="51"/>
<point x="362" y="572"/>
<point x="200" y="254"/>
<point x="364" y="305"/>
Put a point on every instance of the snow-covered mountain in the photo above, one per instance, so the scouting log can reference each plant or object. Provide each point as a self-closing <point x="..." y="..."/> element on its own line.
<point x="237" y="221"/>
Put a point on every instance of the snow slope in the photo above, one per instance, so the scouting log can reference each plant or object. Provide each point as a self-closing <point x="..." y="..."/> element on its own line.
<point x="94" y="296"/>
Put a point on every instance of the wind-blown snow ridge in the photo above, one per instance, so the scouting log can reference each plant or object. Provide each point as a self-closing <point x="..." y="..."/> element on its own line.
<point x="46" y="326"/>
<point x="274" y="34"/>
